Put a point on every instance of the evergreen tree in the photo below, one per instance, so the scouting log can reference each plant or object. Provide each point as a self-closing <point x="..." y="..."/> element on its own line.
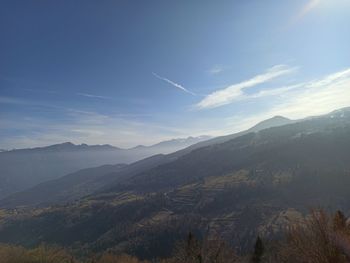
<point x="193" y="249"/>
<point x="258" y="250"/>
<point x="189" y="251"/>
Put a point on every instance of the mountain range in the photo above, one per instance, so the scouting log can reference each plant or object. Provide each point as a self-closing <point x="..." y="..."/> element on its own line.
<point x="257" y="182"/>
<point x="76" y="185"/>
<point x="24" y="168"/>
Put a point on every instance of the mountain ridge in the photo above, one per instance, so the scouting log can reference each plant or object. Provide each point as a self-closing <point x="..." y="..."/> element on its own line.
<point x="276" y="121"/>
<point x="248" y="186"/>
<point x="83" y="146"/>
<point x="13" y="199"/>
<point x="24" y="168"/>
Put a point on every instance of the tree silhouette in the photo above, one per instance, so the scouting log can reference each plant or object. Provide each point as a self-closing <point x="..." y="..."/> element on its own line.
<point x="258" y="250"/>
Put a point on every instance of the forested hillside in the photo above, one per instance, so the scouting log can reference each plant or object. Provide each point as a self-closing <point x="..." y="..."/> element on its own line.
<point x="255" y="184"/>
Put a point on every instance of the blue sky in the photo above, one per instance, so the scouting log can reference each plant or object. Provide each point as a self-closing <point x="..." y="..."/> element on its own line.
<point x="138" y="72"/>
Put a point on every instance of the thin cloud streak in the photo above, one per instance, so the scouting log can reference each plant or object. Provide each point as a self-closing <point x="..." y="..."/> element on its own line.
<point x="93" y="96"/>
<point x="176" y="85"/>
<point x="235" y="92"/>
<point x="305" y="10"/>
<point x="312" y="4"/>
<point x="87" y="127"/>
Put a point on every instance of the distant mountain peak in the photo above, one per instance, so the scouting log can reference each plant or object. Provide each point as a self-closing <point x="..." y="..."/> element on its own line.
<point x="181" y="142"/>
<point x="140" y="146"/>
<point x="341" y="113"/>
<point x="272" y="122"/>
<point x="58" y="146"/>
<point x="278" y="117"/>
<point x="69" y="146"/>
<point x="188" y="140"/>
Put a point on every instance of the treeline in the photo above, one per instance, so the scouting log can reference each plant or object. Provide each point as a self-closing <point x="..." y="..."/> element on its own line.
<point x="320" y="238"/>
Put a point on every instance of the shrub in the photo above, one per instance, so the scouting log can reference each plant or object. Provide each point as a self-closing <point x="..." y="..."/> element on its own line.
<point x="319" y="239"/>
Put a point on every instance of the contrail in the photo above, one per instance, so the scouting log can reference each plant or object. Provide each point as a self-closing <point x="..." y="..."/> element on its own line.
<point x="173" y="84"/>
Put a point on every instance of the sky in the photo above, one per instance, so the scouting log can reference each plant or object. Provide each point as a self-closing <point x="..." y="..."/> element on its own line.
<point x="138" y="72"/>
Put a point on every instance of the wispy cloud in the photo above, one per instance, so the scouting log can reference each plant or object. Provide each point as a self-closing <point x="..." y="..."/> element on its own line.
<point x="9" y="100"/>
<point x="93" y="96"/>
<point x="306" y="9"/>
<point x="41" y="91"/>
<point x="85" y="127"/>
<point x="311" y="4"/>
<point x="216" y="69"/>
<point x="176" y="85"/>
<point x="43" y="88"/>
<point x="317" y="97"/>
<point x="297" y="101"/>
<point x="234" y="92"/>
<point x="274" y="91"/>
<point x="80" y="126"/>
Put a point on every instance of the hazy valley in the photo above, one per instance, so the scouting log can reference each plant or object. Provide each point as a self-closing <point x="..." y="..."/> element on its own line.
<point x="23" y="168"/>
<point x="256" y="183"/>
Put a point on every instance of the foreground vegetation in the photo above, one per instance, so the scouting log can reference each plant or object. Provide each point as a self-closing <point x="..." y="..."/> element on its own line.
<point x="320" y="238"/>
<point x="48" y="254"/>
